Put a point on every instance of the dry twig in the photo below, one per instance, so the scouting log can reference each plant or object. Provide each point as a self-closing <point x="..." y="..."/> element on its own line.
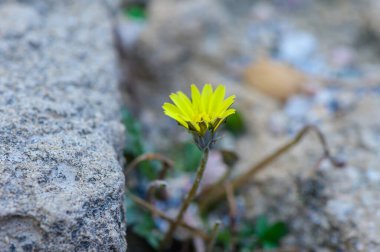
<point x="214" y="233"/>
<point x="216" y="192"/>
<point x="232" y="214"/>
<point x="155" y="211"/>
<point x="167" y="163"/>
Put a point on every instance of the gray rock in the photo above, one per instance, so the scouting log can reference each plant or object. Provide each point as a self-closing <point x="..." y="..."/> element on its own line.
<point x="61" y="183"/>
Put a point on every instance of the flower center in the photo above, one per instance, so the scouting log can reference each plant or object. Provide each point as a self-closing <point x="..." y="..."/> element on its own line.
<point x="202" y="117"/>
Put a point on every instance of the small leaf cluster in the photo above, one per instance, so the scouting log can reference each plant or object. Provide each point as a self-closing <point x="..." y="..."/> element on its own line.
<point x="259" y="234"/>
<point x="134" y="145"/>
<point x="135" y="12"/>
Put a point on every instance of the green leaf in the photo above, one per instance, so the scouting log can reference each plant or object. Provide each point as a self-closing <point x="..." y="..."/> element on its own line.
<point x="142" y="223"/>
<point x="246" y="249"/>
<point x="261" y="225"/>
<point x="235" y="124"/>
<point x="187" y="157"/>
<point x="149" y="169"/>
<point x="192" y="156"/>
<point x="224" y="237"/>
<point x="134" y="142"/>
<point x="147" y="229"/>
<point x="134" y="145"/>
<point x="269" y="245"/>
<point x="246" y="230"/>
<point x="154" y="239"/>
<point x="135" y="12"/>
<point x="133" y="212"/>
<point x="273" y="234"/>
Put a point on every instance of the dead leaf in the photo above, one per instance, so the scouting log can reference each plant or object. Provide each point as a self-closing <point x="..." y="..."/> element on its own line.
<point x="274" y="78"/>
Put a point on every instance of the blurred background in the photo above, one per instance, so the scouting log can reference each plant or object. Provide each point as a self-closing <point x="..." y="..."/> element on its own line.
<point x="290" y="63"/>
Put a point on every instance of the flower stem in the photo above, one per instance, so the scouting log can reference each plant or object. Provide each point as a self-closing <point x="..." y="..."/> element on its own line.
<point x="190" y="196"/>
<point x="210" y="246"/>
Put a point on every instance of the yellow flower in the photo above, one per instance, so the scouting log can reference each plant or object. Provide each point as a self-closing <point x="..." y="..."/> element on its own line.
<point x="204" y="112"/>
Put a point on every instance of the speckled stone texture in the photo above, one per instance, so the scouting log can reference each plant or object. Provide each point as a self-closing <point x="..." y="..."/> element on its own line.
<point x="61" y="184"/>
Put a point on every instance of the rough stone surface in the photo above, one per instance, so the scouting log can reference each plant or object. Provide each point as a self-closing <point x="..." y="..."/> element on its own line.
<point x="61" y="184"/>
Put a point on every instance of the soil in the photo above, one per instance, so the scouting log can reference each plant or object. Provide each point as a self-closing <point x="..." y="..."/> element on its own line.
<point x="338" y="52"/>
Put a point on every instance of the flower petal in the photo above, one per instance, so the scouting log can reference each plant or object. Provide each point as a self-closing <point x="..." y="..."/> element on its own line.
<point x="187" y="103"/>
<point x="182" y="106"/>
<point x="171" y="108"/>
<point x="216" y="100"/>
<point x="177" y="118"/>
<point x="196" y="98"/>
<point x="205" y="110"/>
<point x="225" y="105"/>
<point x="206" y="97"/>
<point x="224" y="117"/>
<point x="228" y="113"/>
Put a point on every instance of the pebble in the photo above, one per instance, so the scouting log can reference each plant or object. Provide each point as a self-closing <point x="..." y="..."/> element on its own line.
<point x="296" y="47"/>
<point x="373" y="176"/>
<point x="301" y="110"/>
<point x="297" y="107"/>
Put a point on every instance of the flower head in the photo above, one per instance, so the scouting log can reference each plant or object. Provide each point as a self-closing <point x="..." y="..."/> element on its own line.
<point x="204" y="112"/>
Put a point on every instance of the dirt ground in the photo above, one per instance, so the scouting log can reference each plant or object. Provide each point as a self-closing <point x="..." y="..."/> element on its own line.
<point x="334" y="47"/>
